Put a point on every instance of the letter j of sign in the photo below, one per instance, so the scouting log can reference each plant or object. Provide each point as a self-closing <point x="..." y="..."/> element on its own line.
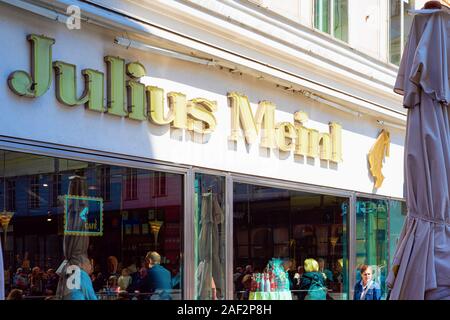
<point x="37" y="83"/>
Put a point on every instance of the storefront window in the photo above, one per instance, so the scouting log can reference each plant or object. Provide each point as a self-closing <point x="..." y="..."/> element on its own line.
<point x="372" y="239"/>
<point x="397" y="216"/>
<point x="333" y="21"/>
<point x="271" y="225"/>
<point x="209" y="237"/>
<point x="41" y="194"/>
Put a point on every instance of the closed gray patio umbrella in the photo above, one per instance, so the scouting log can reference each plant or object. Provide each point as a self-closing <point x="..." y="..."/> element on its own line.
<point x="421" y="265"/>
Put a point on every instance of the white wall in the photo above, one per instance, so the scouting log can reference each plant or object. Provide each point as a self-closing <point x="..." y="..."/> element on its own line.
<point x="45" y="119"/>
<point x="289" y="8"/>
<point x="365" y="22"/>
<point x="368" y="21"/>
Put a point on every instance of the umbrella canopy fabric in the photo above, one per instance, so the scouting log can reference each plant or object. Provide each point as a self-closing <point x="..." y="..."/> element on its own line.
<point x="74" y="247"/>
<point x="421" y="264"/>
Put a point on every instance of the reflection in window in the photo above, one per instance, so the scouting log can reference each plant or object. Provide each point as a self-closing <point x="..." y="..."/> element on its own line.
<point x="56" y="189"/>
<point x="399" y="26"/>
<point x="332" y="21"/>
<point x="105" y="183"/>
<point x="372" y="238"/>
<point x="131" y="229"/>
<point x="292" y="226"/>
<point x="159" y="184"/>
<point x="397" y="216"/>
<point x="10" y="195"/>
<point x="131" y="184"/>
<point x="209" y="237"/>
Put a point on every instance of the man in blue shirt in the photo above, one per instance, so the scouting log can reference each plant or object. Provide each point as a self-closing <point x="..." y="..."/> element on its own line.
<point x="158" y="278"/>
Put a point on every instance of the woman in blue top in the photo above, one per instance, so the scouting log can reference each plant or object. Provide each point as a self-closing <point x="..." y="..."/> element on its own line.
<point x="85" y="290"/>
<point x="367" y="289"/>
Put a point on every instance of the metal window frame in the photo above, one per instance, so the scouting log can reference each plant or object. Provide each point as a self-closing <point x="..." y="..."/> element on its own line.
<point x="229" y="236"/>
<point x="352" y="247"/>
<point x="188" y="276"/>
<point x="89" y="155"/>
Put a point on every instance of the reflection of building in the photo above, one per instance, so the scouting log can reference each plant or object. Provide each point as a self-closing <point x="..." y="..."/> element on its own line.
<point x="256" y="138"/>
<point x="38" y="203"/>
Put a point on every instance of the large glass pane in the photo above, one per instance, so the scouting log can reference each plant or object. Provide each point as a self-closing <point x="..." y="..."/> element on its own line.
<point x="322" y="16"/>
<point x="397" y="216"/>
<point x="272" y="225"/>
<point x="209" y="237"/>
<point x="395" y="31"/>
<point x="372" y="238"/>
<point x="340" y="20"/>
<point x="46" y="195"/>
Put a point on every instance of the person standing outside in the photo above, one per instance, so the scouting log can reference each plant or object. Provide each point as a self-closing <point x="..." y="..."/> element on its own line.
<point x="158" y="278"/>
<point x="367" y="288"/>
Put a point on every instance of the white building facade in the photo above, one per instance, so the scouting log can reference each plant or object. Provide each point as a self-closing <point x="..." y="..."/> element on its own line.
<point x="257" y="115"/>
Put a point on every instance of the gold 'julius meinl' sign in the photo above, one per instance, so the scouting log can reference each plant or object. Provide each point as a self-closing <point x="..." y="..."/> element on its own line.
<point x="128" y="97"/>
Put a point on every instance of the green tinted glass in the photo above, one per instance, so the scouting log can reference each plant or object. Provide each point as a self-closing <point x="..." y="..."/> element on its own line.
<point x="322" y="15"/>
<point x="372" y="238"/>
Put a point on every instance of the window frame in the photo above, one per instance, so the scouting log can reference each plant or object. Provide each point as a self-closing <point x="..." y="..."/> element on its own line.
<point x="131" y="184"/>
<point x="33" y="196"/>
<point x="402" y="30"/>
<point x="56" y="189"/>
